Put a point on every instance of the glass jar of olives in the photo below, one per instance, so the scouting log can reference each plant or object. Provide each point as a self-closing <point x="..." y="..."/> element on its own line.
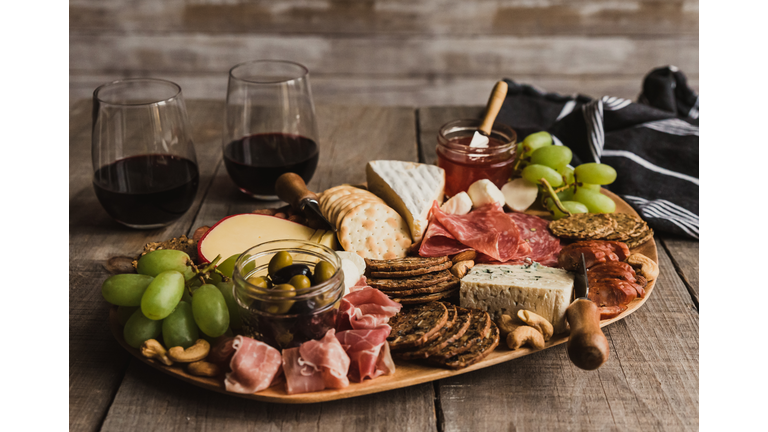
<point x="288" y="291"/>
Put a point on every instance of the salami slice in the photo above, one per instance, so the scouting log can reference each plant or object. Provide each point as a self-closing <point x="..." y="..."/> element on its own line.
<point x="545" y="248"/>
<point x="439" y="242"/>
<point x="488" y="230"/>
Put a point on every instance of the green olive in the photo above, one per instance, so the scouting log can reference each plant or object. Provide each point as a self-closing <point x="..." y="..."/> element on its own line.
<point x="280" y="260"/>
<point x="280" y="307"/>
<point x="259" y="281"/>
<point x="300" y="282"/>
<point x="326" y="297"/>
<point x="323" y="271"/>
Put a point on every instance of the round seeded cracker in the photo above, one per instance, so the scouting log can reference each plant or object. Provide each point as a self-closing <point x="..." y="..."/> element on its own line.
<point x="376" y="231"/>
<point x="626" y="224"/>
<point x="584" y="226"/>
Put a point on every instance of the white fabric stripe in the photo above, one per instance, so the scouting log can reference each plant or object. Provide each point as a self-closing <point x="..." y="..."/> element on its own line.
<point x="613" y="103"/>
<point x="567" y="109"/>
<point x="556" y="141"/>
<point x="661" y="215"/>
<point x="590" y="131"/>
<point x="671" y="205"/>
<point x="694" y="112"/>
<point x="672" y="126"/>
<point x="663" y="206"/>
<point x="600" y="131"/>
<point x="637" y="159"/>
<point x="694" y="232"/>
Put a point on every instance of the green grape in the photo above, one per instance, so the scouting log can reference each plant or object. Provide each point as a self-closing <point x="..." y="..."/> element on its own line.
<point x="572" y="206"/>
<point x="179" y="328"/>
<point x="228" y="268"/>
<point x="162" y="295"/>
<point x="235" y="321"/>
<point x="565" y="195"/>
<point x="125" y="289"/>
<point x="125" y="312"/>
<point x="567" y="173"/>
<point x="535" y="141"/>
<point x="555" y="157"/>
<point x="595" y="173"/>
<point x="591" y="187"/>
<point x="158" y="261"/>
<point x="186" y="297"/>
<point x="534" y="172"/>
<point x="595" y="202"/>
<point x="140" y="328"/>
<point x="210" y="310"/>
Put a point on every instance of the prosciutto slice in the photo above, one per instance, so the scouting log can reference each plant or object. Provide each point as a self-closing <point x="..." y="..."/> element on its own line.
<point x="254" y="366"/>
<point x="365" y="308"/>
<point x="300" y="377"/>
<point x="368" y="352"/>
<point x="329" y="356"/>
<point x="487" y="230"/>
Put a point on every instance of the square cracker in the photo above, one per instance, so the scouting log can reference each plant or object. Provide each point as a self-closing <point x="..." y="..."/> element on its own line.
<point x="375" y="230"/>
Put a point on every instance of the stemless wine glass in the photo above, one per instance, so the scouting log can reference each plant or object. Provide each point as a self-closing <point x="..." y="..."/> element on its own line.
<point x="145" y="170"/>
<point x="270" y="125"/>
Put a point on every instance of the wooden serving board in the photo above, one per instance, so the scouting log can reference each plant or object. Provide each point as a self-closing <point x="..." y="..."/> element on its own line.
<point x="407" y="373"/>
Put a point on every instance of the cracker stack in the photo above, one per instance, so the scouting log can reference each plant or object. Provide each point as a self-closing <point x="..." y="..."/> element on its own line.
<point x="413" y="280"/>
<point x="443" y="334"/>
<point x="603" y="226"/>
<point x="365" y="224"/>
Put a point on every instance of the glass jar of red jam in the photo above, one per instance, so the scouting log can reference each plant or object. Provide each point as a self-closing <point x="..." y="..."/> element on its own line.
<point x="464" y="165"/>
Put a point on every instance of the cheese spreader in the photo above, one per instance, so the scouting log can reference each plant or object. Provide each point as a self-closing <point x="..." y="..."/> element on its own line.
<point x="587" y="346"/>
<point x="480" y="138"/>
<point x="292" y="189"/>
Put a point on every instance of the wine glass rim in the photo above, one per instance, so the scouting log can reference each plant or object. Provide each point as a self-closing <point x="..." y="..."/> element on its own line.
<point x="303" y="74"/>
<point x="135" y="80"/>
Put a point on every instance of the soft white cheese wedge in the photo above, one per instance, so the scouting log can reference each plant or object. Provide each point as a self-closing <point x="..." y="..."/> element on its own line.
<point x="459" y="204"/>
<point x="506" y="289"/>
<point x="409" y="188"/>
<point x="485" y="192"/>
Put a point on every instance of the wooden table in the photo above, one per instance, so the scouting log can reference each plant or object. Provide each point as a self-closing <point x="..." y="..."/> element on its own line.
<point x="651" y="381"/>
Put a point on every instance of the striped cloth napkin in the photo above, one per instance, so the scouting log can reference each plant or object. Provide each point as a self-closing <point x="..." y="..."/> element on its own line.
<point x="653" y="143"/>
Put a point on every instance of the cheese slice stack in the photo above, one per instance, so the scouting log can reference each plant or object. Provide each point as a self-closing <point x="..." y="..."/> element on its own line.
<point x="409" y="188"/>
<point x="506" y="289"/>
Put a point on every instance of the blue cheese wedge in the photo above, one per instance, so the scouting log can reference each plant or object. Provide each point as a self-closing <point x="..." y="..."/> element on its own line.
<point x="506" y="289"/>
<point x="409" y="188"/>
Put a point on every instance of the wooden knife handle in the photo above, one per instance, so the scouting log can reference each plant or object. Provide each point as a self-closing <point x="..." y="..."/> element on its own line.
<point x="291" y="188"/>
<point x="587" y="346"/>
<point x="494" y="105"/>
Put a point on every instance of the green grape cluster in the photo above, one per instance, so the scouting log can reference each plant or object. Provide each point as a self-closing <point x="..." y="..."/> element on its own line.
<point x="166" y="298"/>
<point x="577" y="189"/>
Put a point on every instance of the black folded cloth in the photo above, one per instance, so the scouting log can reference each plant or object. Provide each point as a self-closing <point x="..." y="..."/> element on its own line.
<point x="653" y="143"/>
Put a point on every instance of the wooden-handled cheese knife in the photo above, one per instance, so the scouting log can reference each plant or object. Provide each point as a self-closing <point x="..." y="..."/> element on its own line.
<point x="480" y="138"/>
<point x="587" y="346"/>
<point x="291" y="188"/>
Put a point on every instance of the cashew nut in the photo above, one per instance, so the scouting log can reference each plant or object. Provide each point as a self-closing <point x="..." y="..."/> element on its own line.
<point x="196" y="352"/>
<point x="152" y="349"/>
<point x="538" y="322"/>
<point x="469" y="255"/>
<point x="203" y="368"/>
<point x="506" y="324"/>
<point x="644" y="265"/>
<point x="461" y="268"/>
<point x="525" y="335"/>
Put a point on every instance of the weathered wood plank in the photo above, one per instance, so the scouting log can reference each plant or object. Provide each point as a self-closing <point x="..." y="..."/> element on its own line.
<point x="391" y="90"/>
<point x="97" y="363"/>
<point x="685" y="257"/>
<point x="349" y="137"/>
<point x="650" y="381"/>
<point x="408" y="55"/>
<point x="510" y="17"/>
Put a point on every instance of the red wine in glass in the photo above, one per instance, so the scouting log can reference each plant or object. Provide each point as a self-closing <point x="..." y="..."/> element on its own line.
<point x="255" y="162"/>
<point x="153" y="189"/>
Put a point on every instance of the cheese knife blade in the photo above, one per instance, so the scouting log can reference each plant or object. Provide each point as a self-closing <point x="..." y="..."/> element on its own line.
<point x="587" y="346"/>
<point x="291" y="188"/>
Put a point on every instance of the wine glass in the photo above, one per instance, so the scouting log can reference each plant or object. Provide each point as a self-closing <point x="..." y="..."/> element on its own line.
<point x="145" y="169"/>
<point x="270" y="126"/>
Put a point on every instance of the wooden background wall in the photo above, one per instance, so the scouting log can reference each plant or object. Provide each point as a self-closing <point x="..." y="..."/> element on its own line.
<point x="387" y="52"/>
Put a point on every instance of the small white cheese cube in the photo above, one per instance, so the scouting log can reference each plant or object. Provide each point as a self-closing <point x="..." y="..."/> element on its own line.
<point x="459" y="204"/>
<point x="506" y="289"/>
<point x="485" y="192"/>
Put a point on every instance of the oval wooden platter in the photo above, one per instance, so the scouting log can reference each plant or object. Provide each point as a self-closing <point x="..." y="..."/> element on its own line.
<point x="407" y="373"/>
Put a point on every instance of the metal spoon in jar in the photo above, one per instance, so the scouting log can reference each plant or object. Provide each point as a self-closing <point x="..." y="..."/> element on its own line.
<point x="480" y="139"/>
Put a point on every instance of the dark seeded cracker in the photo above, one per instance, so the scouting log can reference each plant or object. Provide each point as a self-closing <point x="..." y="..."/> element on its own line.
<point x="425" y="298"/>
<point x="403" y="264"/>
<point x="408" y="273"/>
<point x="476" y="353"/>
<point x="479" y="328"/>
<point x="414" y="327"/>
<point x="447" y="337"/>
<point x="585" y="226"/>
<point x="451" y="284"/>
<point x="414" y="282"/>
